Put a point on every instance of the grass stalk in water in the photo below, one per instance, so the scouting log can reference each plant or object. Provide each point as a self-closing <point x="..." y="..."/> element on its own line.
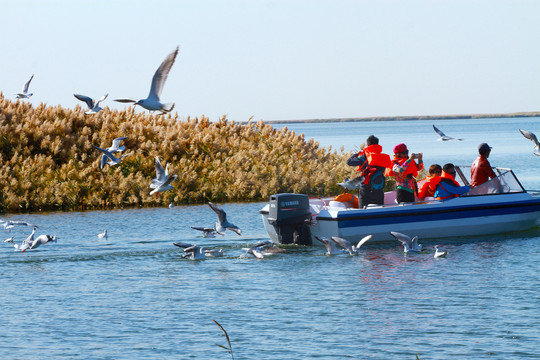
<point x="229" y="349"/>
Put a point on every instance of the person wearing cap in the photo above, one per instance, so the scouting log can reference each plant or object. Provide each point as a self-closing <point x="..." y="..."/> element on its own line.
<point x="405" y="169"/>
<point x="372" y="163"/>
<point x="481" y="170"/>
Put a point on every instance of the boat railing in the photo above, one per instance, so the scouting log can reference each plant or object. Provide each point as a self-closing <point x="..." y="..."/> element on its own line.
<point x="506" y="182"/>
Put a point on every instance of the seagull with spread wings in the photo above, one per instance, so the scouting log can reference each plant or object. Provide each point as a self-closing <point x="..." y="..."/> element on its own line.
<point x="93" y="106"/>
<point x="529" y="135"/>
<point x="153" y="102"/>
<point x="24" y="93"/>
<point x="346" y="244"/>
<point x="161" y="173"/>
<point x="222" y="224"/>
<point x="409" y="245"/>
<point x="112" y="160"/>
<point x="330" y="245"/>
<point x="115" y="147"/>
<point x="442" y="136"/>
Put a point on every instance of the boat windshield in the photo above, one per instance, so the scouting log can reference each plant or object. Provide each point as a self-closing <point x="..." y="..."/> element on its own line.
<point x="505" y="183"/>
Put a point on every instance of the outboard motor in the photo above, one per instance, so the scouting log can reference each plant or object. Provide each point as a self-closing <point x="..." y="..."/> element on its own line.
<point x="290" y="216"/>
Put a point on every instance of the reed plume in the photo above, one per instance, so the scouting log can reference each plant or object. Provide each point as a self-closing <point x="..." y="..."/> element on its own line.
<point x="49" y="161"/>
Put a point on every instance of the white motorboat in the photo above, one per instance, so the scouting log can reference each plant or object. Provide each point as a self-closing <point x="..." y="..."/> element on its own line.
<point x="497" y="206"/>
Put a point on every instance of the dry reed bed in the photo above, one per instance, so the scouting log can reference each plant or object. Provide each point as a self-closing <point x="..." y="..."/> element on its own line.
<point x="49" y="162"/>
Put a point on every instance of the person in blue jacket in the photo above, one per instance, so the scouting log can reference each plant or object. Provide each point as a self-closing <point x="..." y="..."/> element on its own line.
<point x="446" y="186"/>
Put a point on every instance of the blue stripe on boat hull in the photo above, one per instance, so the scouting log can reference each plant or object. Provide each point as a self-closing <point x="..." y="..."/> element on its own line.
<point x="422" y="215"/>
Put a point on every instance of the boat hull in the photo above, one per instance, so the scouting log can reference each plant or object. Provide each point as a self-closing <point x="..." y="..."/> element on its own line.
<point x="464" y="216"/>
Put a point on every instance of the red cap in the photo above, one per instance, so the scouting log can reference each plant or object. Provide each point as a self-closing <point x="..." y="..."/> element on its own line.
<point x="400" y="148"/>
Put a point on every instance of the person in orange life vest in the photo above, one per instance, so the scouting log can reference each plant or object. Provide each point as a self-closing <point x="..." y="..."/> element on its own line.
<point x="371" y="163"/>
<point x="405" y="169"/>
<point x="427" y="188"/>
<point x="481" y="170"/>
<point x="446" y="187"/>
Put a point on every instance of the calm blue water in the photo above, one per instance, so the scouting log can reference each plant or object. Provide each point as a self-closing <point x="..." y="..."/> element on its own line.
<point x="132" y="296"/>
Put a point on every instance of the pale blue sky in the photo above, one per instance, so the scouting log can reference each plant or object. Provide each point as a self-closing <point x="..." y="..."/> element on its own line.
<point x="279" y="60"/>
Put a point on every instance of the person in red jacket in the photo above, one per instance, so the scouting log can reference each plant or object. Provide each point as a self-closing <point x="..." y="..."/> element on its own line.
<point x="428" y="189"/>
<point x="372" y="163"/>
<point x="481" y="170"/>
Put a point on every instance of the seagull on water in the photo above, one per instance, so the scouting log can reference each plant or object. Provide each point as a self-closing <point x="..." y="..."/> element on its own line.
<point x="103" y="235"/>
<point x="262" y="248"/>
<point x="112" y="160"/>
<point x="24" y="94"/>
<point x="330" y="245"/>
<point x="222" y="223"/>
<point x="346" y="244"/>
<point x="93" y="107"/>
<point x="213" y="252"/>
<point x="442" y="136"/>
<point x="26" y="244"/>
<point x="207" y="232"/>
<point x="115" y="147"/>
<point x="529" y="135"/>
<point x="152" y="102"/>
<point x="192" y="252"/>
<point x="270" y="248"/>
<point x="9" y="240"/>
<point x="409" y="245"/>
<point x="439" y="253"/>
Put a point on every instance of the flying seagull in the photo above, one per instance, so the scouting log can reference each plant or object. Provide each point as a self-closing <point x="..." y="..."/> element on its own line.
<point x="439" y="253"/>
<point x="9" y="224"/>
<point x="161" y="173"/>
<point x="152" y="102"/>
<point x="24" y="94"/>
<point x="112" y="160"/>
<point x="529" y="135"/>
<point x="93" y="107"/>
<point x="443" y="137"/>
<point x="409" y="245"/>
<point x="115" y="147"/>
<point x="222" y="224"/>
<point x="352" y="184"/>
<point x="42" y="240"/>
<point x="164" y="186"/>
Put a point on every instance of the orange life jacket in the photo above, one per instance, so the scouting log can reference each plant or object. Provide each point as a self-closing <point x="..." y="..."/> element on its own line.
<point x="375" y="157"/>
<point x="427" y="188"/>
<point x="346" y="197"/>
<point x="437" y="180"/>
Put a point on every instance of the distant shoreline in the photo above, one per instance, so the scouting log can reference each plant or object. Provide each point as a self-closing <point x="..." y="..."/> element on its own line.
<point x="401" y="118"/>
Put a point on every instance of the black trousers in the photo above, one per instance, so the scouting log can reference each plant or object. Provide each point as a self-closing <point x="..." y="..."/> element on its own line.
<point x="368" y="195"/>
<point x="403" y="196"/>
